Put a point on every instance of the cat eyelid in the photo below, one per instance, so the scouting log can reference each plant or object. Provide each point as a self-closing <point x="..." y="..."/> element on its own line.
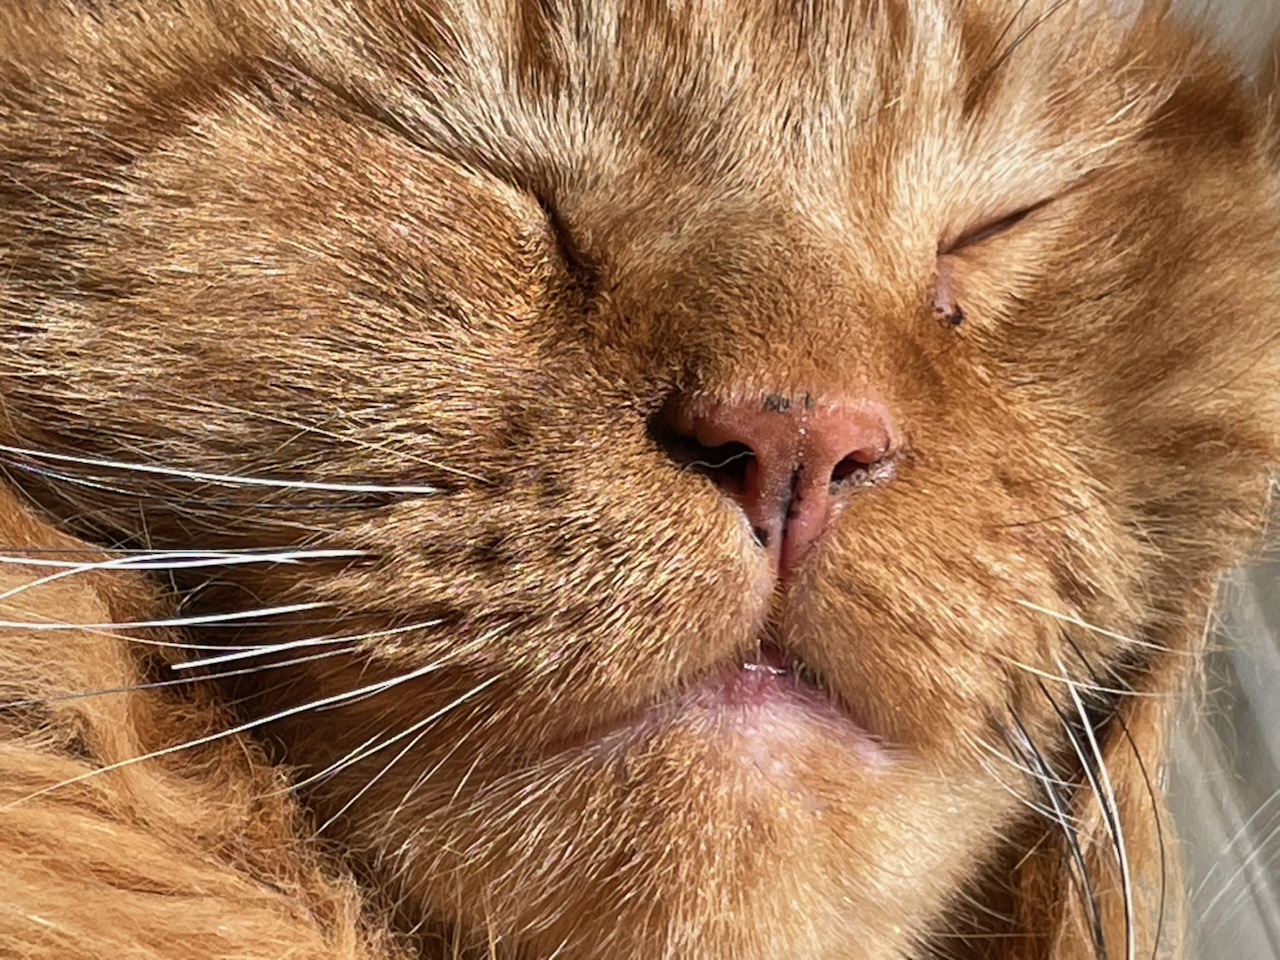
<point x="991" y="228"/>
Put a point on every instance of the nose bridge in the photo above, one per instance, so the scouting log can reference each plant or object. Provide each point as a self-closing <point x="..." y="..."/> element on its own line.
<point x="755" y="290"/>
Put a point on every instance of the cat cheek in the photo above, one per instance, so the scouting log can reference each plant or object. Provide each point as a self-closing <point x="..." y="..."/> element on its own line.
<point x="946" y="308"/>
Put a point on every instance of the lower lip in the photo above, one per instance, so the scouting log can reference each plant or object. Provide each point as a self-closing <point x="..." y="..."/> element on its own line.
<point x="758" y="685"/>
<point x="759" y="707"/>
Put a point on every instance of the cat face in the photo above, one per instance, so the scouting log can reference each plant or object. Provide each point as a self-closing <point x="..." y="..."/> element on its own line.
<point x="762" y="460"/>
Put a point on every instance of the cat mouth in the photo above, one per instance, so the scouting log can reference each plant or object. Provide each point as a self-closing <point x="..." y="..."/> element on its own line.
<point x="771" y="674"/>
<point x="767" y="698"/>
<point x="770" y="701"/>
<point x="773" y="701"/>
<point x="771" y="659"/>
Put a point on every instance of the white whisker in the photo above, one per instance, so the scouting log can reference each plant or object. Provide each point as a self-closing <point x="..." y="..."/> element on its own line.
<point x="199" y="621"/>
<point x="335" y="699"/>
<point x="1240" y="833"/>
<point x="1059" y="813"/>
<point x="241" y="653"/>
<point x="326" y="772"/>
<point x="1084" y="624"/>
<point x="181" y="681"/>
<point x="1080" y="684"/>
<point x="184" y="559"/>
<point x="1261" y="848"/>
<point x="1101" y="781"/>
<point x="429" y="773"/>
<point x="221" y="479"/>
<point x="1005" y="758"/>
<point x="990" y="769"/>
<point x="422" y="727"/>
<point x="143" y="562"/>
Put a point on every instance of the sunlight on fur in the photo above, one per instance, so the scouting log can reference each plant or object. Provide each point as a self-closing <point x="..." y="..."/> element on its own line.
<point x="541" y="480"/>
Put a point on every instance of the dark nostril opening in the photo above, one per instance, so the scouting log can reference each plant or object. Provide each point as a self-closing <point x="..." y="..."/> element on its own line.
<point x="858" y="468"/>
<point x="850" y="468"/>
<point x="726" y="464"/>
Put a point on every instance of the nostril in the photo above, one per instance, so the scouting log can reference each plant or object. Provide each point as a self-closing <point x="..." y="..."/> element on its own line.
<point x="788" y="462"/>
<point x="861" y="468"/>
<point x="850" y="468"/>
<point x="728" y="465"/>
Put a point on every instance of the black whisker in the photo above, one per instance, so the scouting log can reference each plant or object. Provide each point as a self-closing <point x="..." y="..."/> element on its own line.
<point x="1083" y="740"/>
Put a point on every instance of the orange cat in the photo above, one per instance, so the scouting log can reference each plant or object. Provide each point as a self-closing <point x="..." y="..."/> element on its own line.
<point x="615" y="480"/>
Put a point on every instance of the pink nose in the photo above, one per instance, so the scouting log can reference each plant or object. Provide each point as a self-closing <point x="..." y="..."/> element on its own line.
<point x="790" y="462"/>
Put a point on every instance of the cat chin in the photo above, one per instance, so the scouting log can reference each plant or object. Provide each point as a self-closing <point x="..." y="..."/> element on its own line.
<point x="747" y="818"/>
<point x="728" y="831"/>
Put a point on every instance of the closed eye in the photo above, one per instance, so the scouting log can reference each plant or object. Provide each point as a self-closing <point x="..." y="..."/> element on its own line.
<point x="991" y="228"/>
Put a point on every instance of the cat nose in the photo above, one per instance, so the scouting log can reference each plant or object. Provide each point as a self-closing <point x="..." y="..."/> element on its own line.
<point x="789" y="461"/>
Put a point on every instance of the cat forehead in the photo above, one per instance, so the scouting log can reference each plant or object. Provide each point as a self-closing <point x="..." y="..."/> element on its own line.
<point x="749" y="96"/>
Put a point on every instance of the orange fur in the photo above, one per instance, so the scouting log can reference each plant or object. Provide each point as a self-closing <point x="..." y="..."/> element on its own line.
<point x="477" y="251"/>
<point x="193" y="855"/>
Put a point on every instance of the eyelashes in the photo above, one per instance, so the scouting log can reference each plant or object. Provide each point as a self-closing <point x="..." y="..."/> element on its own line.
<point x="946" y="307"/>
